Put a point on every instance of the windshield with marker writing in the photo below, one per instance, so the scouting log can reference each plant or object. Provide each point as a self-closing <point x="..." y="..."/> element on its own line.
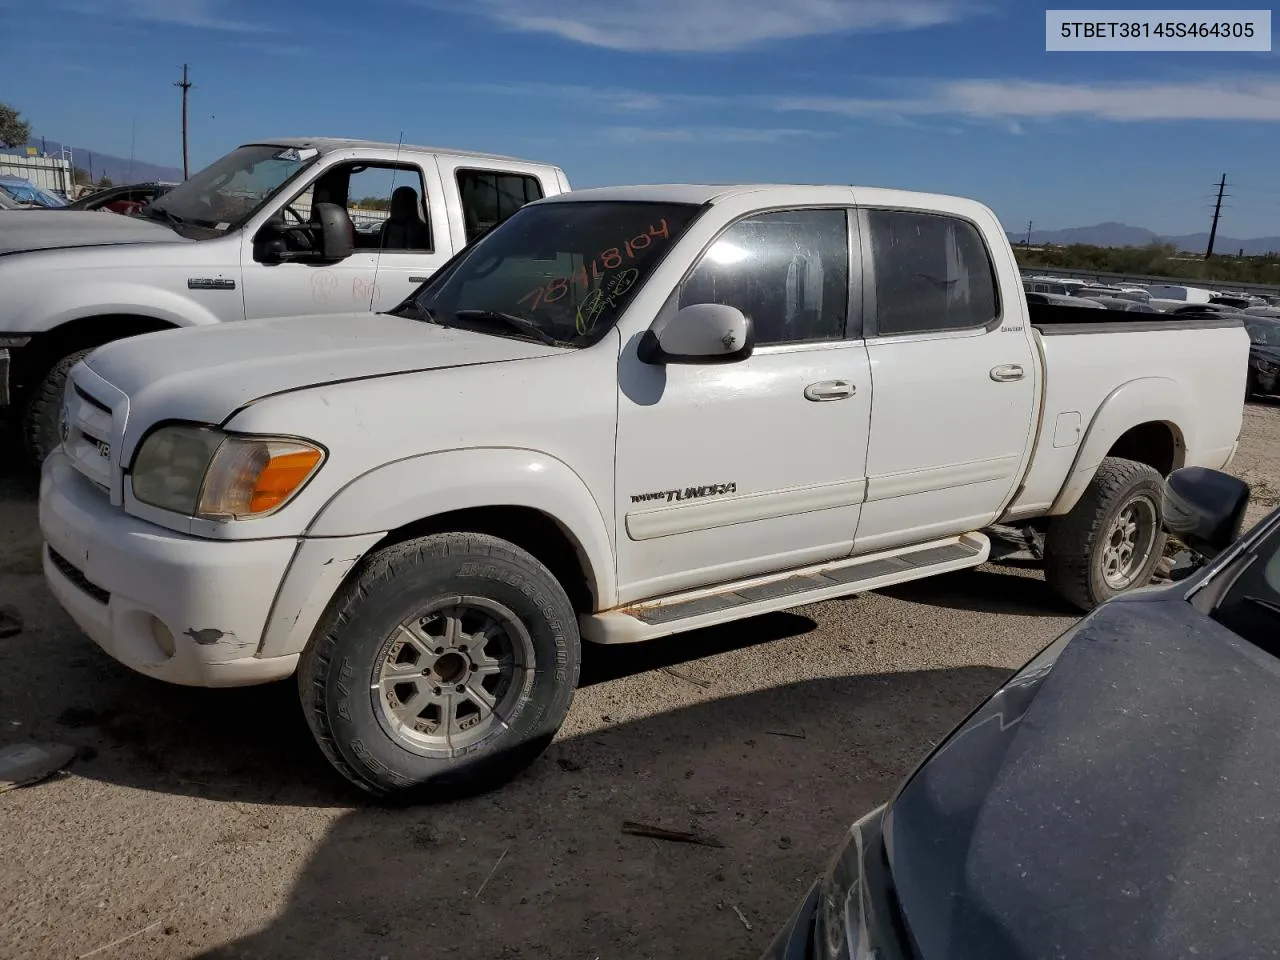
<point x="566" y="269"/>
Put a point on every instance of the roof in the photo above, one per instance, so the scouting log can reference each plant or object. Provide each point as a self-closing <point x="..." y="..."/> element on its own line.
<point x="330" y="144"/>
<point x="700" y="193"/>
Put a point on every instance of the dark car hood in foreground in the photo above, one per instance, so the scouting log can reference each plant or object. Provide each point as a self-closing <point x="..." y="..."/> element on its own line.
<point x="1128" y="806"/>
<point x="1260" y="351"/>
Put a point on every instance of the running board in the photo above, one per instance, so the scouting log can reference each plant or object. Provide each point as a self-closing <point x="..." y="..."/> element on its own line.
<point x="748" y="598"/>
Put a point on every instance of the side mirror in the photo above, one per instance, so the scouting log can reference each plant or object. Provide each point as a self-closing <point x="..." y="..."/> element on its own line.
<point x="699" y="333"/>
<point x="335" y="232"/>
<point x="1204" y="508"/>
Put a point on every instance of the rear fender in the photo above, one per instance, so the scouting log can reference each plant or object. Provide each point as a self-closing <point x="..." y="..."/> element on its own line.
<point x="1147" y="400"/>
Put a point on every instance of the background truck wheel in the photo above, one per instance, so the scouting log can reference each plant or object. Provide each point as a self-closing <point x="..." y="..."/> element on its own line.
<point x="1112" y="539"/>
<point x="444" y="667"/>
<point x="43" y="409"/>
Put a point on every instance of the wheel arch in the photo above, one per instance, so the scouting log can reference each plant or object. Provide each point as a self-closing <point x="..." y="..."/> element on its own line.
<point x="531" y="499"/>
<point x="1147" y="420"/>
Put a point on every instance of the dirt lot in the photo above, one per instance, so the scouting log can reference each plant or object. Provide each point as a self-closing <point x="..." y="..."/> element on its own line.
<point x="205" y="823"/>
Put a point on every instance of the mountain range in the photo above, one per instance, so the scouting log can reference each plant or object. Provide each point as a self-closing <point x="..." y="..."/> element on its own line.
<point x="117" y="169"/>
<point x="1113" y="234"/>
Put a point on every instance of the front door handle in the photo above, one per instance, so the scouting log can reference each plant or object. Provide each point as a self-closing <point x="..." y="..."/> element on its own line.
<point x="1007" y="372"/>
<point x="829" y="390"/>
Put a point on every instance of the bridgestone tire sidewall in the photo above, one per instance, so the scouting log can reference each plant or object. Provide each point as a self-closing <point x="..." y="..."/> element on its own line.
<point x="419" y="583"/>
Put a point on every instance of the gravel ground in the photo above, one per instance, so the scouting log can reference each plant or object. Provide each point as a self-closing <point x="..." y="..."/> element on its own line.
<point x="205" y="823"/>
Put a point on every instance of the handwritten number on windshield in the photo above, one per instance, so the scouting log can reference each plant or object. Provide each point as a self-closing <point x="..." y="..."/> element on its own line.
<point x="610" y="259"/>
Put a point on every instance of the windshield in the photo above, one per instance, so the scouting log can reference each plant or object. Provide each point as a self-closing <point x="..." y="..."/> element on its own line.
<point x="564" y="270"/>
<point x="1264" y="333"/>
<point x="232" y="189"/>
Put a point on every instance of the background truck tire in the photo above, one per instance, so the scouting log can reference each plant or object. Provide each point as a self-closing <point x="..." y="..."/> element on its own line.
<point x="43" y="409"/>
<point x="1086" y="548"/>
<point x="421" y="651"/>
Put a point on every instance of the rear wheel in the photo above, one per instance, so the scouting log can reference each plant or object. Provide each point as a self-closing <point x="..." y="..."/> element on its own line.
<point x="41" y="429"/>
<point x="1112" y="540"/>
<point x="444" y="667"/>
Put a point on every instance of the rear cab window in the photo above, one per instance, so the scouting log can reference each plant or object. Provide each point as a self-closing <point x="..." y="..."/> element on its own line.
<point x="933" y="273"/>
<point x="492" y="196"/>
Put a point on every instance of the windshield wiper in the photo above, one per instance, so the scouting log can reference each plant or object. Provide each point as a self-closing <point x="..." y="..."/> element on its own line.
<point x="164" y="214"/>
<point x="519" y="324"/>
<point x="413" y="310"/>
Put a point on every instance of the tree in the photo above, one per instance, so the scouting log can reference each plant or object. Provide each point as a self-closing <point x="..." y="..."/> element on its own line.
<point x="81" y="177"/>
<point x="105" y="182"/>
<point x="14" y="131"/>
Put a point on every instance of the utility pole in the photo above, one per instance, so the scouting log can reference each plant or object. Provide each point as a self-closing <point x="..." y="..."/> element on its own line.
<point x="1028" y="243"/>
<point x="1217" y="212"/>
<point x="186" y="85"/>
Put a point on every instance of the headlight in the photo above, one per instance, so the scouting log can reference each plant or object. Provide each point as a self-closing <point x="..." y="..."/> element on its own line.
<point x="203" y="472"/>
<point x="849" y="923"/>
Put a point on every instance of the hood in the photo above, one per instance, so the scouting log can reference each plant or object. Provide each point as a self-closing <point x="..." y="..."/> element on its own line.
<point x="1122" y="805"/>
<point x="205" y="374"/>
<point x="55" y="229"/>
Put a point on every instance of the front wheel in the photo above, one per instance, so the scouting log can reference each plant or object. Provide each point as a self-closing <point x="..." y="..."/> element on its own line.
<point x="1112" y="540"/>
<point x="444" y="667"/>
<point x="41" y="428"/>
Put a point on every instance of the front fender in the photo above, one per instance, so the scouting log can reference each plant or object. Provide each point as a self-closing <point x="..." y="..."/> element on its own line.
<point x="59" y="304"/>
<point x="422" y="487"/>
<point x="1146" y="400"/>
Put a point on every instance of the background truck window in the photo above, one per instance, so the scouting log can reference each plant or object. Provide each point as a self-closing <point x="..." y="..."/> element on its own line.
<point x="491" y="196"/>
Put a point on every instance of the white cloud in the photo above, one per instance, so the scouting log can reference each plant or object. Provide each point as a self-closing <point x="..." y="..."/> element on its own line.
<point x="1241" y="99"/>
<point x="698" y="134"/>
<point x="707" y="25"/>
<point x="198" y="14"/>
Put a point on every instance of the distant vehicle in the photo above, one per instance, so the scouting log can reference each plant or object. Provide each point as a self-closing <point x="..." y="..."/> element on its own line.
<point x="1064" y="300"/>
<point x="128" y="199"/>
<point x="1129" y="293"/>
<point x="263" y="231"/>
<point x="27" y="195"/>
<point x="1095" y="290"/>
<point x="1125" y="306"/>
<point x="1045" y="286"/>
<point x="8" y="203"/>
<point x="1264" y="355"/>
<point x="1177" y="291"/>
<point x="1114" y="799"/>
<point x="1202" y="309"/>
<point x="1240" y="303"/>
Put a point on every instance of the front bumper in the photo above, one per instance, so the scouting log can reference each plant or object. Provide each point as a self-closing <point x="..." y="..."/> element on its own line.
<point x="174" y="607"/>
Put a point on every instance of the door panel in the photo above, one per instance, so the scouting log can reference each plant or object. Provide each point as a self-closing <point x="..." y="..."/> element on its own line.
<point x="727" y="471"/>
<point x="396" y="247"/>
<point x="952" y="423"/>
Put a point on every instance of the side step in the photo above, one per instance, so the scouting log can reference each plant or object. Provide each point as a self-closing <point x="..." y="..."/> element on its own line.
<point x="748" y="598"/>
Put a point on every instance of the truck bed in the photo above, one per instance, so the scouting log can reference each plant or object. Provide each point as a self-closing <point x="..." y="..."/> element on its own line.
<point x="1054" y="320"/>
<point x="1198" y="361"/>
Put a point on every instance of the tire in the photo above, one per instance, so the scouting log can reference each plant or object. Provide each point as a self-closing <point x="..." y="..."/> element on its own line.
<point x="359" y="678"/>
<point x="1077" y="554"/>
<point x="40" y="417"/>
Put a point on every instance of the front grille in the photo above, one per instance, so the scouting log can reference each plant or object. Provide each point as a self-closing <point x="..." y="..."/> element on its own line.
<point x="88" y="429"/>
<point x="72" y="573"/>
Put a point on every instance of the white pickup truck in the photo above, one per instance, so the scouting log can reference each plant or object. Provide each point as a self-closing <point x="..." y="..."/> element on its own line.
<point x="624" y="413"/>
<point x="242" y="238"/>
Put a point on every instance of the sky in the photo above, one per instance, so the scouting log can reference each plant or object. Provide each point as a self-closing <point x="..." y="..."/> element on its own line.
<point x="949" y="96"/>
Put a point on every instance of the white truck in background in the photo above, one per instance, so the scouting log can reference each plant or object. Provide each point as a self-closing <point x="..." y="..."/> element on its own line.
<point x="623" y="414"/>
<point x="242" y="239"/>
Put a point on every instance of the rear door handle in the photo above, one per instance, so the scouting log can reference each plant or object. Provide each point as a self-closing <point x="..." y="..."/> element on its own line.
<point x="1007" y="372"/>
<point x="829" y="390"/>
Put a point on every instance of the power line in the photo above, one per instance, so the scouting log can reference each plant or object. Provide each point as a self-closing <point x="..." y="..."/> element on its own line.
<point x="1217" y="212"/>
<point x="186" y="85"/>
